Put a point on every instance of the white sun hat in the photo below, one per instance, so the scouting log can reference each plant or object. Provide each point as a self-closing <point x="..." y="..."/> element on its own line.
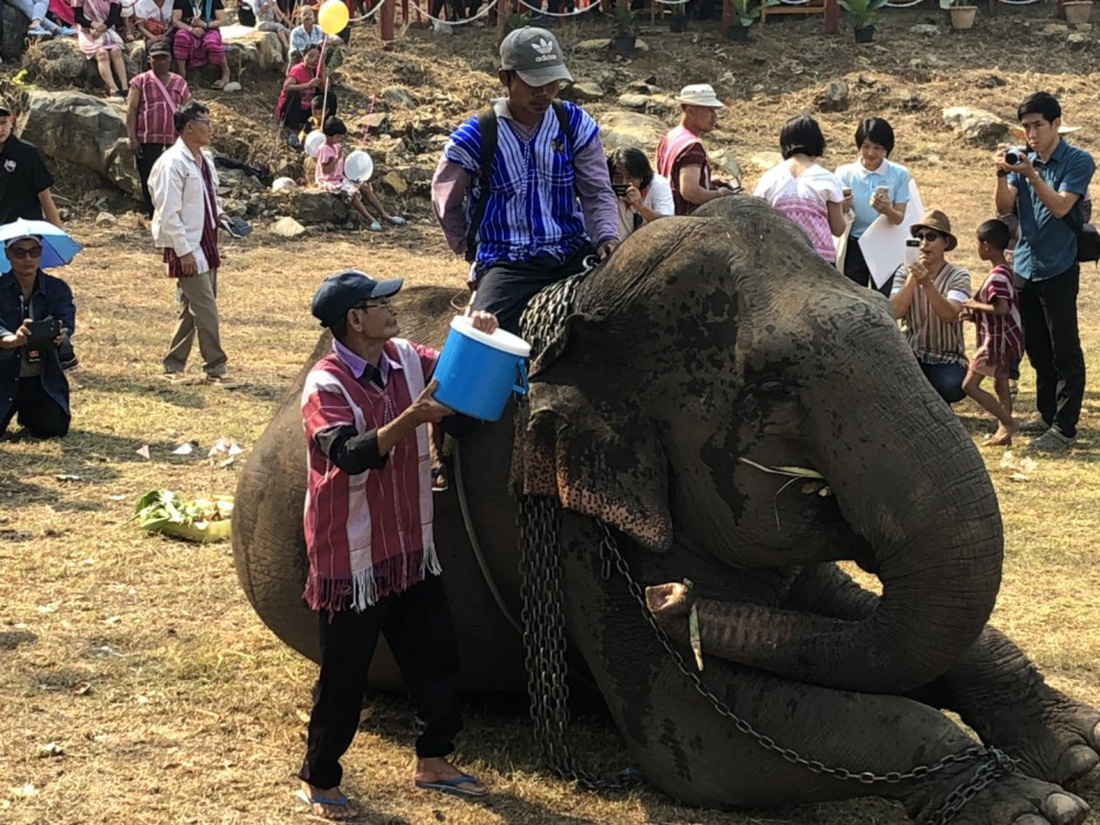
<point x="700" y="94"/>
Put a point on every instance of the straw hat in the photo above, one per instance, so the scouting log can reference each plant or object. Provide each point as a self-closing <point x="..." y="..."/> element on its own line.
<point x="936" y="220"/>
<point x="1017" y="131"/>
<point x="700" y="94"/>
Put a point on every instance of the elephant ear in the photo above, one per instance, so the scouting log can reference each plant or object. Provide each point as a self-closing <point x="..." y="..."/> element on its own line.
<point x="602" y="461"/>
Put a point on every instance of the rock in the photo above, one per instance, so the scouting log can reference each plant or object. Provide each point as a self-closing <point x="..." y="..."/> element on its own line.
<point x="635" y="101"/>
<point x="231" y="86"/>
<point x="722" y="164"/>
<point x="14" y="30"/>
<point x="312" y="206"/>
<point x="989" y="81"/>
<point x="621" y="130"/>
<point x="397" y="97"/>
<point x="583" y="91"/>
<point x="1083" y="27"/>
<point x="926" y="29"/>
<point x="375" y="121"/>
<point x="596" y="45"/>
<point x="763" y="161"/>
<point x="834" y="98"/>
<point x="85" y="130"/>
<point x="641" y="45"/>
<point x="395" y="183"/>
<point x="1077" y="40"/>
<point x="977" y="125"/>
<point x="913" y="102"/>
<point x="105" y="219"/>
<point x="270" y="51"/>
<point x="287" y="227"/>
<point x="1054" y="30"/>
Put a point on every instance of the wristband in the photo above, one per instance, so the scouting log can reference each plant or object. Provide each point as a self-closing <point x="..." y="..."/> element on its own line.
<point x="1001" y="173"/>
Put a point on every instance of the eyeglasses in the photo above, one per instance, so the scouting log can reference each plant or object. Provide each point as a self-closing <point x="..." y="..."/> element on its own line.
<point x="205" y="120"/>
<point x="930" y="236"/>
<point x="379" y="303"/>
<point x="21" y="252"/>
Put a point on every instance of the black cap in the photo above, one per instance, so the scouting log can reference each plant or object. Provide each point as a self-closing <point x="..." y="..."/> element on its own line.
<point x="340" y="292"/>
<point x="160" y="47"/>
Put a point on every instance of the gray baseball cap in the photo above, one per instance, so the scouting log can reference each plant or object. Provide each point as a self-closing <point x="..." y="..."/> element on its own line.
<point x="533" y="54"/>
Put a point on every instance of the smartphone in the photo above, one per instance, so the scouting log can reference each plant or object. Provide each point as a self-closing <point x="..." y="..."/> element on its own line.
<point x="43" y="331"/>
<point x="912" y="251"/>
<point x="883" y="191"/>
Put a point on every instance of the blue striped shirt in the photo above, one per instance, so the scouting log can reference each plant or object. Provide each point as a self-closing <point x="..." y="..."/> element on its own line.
<point x="532" y="209"/>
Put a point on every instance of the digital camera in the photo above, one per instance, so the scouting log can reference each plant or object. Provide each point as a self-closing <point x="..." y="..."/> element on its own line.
<point x="1015" y="155"/>
<point x="620" y="188"/>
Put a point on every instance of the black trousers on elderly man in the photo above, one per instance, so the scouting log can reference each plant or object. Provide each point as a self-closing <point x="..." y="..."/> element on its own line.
<point x="417" y="626"/>
<point x="39" y="414"/>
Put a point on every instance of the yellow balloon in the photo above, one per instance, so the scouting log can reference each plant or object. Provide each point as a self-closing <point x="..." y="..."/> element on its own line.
<point x="333" y="17"/>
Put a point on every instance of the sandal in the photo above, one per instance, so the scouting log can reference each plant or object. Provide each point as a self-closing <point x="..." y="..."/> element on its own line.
<point x="375" y="226"/>
<point x="453" y="786"/>
<point x="439" y="479"/>
<point x="341" y="806"/>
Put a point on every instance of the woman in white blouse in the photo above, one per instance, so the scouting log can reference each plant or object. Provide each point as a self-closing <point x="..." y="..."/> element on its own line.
<point x="644" y="196"/>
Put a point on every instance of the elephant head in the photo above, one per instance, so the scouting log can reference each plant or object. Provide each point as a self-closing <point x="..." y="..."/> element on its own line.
<point x="683" y="382"/>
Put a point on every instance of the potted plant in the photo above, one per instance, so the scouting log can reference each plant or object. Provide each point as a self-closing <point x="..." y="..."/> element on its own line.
<point x="1077" y="11"/>
<point x="863" y="14"/>
<point x="962" y="15"/>
<point x="678" y="23"/>
<point x="745" y="13"/>
<point x="625" y="38"/>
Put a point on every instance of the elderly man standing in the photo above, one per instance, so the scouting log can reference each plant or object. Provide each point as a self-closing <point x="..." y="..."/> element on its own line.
<point x="681" y="157"/>
<point x="928" y="302"/>
<point x="183" y="184"/>
<point x="523" y="189"/>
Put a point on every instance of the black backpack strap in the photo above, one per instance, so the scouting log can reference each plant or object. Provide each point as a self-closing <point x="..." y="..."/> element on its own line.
<point x="563" y="121"/>
<point x="487" y="130"/>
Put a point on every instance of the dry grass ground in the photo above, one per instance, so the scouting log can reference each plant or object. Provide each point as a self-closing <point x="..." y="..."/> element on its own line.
<point x="139" y="657"/>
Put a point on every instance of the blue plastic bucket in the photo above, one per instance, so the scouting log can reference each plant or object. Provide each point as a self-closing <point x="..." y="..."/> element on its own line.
<point x="477" y="371"/>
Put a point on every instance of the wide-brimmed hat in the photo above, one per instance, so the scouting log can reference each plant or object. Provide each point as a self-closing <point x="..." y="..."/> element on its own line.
<point x="343" y="291"/>
<point x="700" y="94"/>
<point x="533" y="54"/>
<point x="936" y="220"/>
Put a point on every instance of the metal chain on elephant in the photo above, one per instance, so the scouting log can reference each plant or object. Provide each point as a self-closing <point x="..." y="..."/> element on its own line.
<point x="997" y="763"/>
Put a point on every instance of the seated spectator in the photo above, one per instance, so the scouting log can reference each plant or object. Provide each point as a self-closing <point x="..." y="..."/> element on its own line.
<point x="95" y="21"/>
<point x="803" y="191"/>
<point x="270" y="18"/>
<point x="32" y="382"/>
<point x="126" y="24"/>
<point x="330" y="176"/>
<point x="36" y="11"/>
<point x="643" y="195"/>
<point x="154" y="97"/>
<point x="995" y="311"/>
<point x="154" y="20"/>
<point x="303" y="81"/>
<point x="310" y="34"/>
<point x="317" y="117"/>
<point x="197" y="40"/>
<point x="927" y="301"/>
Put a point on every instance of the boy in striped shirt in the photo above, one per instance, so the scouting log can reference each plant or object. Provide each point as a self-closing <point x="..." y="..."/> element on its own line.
<point x="995" y="311"/>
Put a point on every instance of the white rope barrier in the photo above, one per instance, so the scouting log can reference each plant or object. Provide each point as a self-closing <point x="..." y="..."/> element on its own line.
<point x="684" y="2"/>
<point x="367" y="15"/>
<point x="573" y="13"/>
<point x="481" y="13"/>
<point x="901" y="4"/>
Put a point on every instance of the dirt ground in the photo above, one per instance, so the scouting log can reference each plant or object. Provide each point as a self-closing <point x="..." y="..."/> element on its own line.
<point x="136" y="684"/>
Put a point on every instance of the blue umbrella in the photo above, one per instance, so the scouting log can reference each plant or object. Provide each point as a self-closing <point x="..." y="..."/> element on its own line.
<point x="57" y="247"/>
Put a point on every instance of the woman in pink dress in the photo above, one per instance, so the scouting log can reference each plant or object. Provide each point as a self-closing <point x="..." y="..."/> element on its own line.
<point x="98" y="40"/>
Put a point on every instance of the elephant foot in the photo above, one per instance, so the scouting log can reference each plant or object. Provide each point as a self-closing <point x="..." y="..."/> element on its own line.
<point x="1010" y="800"/>
<point x="1054" y="737"/>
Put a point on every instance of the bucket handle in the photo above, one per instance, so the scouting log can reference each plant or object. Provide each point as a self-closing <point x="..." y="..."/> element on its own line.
<point x="521" y="387"/>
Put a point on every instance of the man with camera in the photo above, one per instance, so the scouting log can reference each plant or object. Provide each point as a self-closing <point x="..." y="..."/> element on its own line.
<point x="1044" y="184"/>
<point x="37" y="317"/>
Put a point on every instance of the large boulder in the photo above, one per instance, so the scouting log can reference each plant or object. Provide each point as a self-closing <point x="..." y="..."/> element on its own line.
<point x="15" y="32"/>
<point x="977" y="125"/>
<point x="61" y="63"/>
<point x="85" y="130"/>
<point x="621" y="130"/>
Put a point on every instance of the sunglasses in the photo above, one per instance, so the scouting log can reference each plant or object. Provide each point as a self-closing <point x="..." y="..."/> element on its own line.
<point x="22" y="252"/>
<point x="930" y="236"/>
<point x="380" y="303"/>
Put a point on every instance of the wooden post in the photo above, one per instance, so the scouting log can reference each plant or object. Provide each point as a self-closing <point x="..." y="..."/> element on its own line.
<point x="504" y="11"/>
<point x="832" y="17"/>
<point x="387" y="20"/>
<point x="727" y="16"/>
<point x="1061" y="10"/>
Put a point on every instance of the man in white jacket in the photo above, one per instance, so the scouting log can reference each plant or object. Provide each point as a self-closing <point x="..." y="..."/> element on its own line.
<point x="183" y="185"/>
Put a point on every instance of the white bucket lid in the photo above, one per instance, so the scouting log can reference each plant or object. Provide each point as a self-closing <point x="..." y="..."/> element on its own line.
<point x="500" y="339"/>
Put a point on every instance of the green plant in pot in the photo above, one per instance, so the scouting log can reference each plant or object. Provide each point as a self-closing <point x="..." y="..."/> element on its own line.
<point x="625" y="38"/>
<point x="745" y="13"/>
<point x="962" y="13"/>
<point x="863" y="14"/>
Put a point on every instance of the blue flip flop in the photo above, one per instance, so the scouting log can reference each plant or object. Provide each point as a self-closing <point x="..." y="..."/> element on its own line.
<point x="309" y="801"/>
<point x="452" y="786"/>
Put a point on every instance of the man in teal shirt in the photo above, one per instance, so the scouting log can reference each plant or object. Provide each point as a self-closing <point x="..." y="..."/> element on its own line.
<point x="1045" y="188"/>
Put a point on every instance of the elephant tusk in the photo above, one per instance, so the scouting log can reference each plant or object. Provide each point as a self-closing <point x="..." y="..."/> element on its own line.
<point x="693" y="631"/>
<point x="792" y="472"/>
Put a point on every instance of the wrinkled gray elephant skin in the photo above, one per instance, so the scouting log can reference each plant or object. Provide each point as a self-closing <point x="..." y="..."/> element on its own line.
<point x="708" y="354"/>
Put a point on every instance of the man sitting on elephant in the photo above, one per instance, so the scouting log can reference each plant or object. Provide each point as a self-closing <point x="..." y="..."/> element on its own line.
<point x="928" y="301"/>
<point x="521" y="190"/>
<point x="368" y="526"/>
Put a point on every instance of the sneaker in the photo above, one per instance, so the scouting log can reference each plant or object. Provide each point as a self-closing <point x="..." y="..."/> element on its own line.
<point x="1051" y="441"/>
<point x="375" y="226"/>
<point x="66" y="31"/>
<point x="397" y="220"/>
<point x="37" y="31"/>
<point x="223" y="381"/>
<point x="292" y="140"/>
<point x="70" y="363"/>
<point x="1034" y="426"/>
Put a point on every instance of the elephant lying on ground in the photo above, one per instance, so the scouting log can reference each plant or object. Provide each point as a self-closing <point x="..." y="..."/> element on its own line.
<point x="707" y="355"/>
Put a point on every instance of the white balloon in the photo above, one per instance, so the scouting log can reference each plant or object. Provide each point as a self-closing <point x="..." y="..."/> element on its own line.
<point x="314" y="141"/>
<point x="358" y="166"/>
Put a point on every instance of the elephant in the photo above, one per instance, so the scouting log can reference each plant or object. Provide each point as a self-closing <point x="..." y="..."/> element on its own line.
<point x="716" y="404"/>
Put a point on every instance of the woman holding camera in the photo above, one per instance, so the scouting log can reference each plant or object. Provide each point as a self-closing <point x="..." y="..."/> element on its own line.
<point x="873" y="186"/>
<point x="643" y="195"/>
<point x="37" y="317"/>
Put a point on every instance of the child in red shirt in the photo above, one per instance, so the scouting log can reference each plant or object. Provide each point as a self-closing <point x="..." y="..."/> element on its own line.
<point x="995" y="311"/>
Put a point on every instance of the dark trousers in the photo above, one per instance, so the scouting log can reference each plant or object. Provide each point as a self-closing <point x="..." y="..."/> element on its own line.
<point x="856" y="270"/>
<point x="149" y="154"/>
<point x="506" y="288"/>
<point x="293" y="116"/>
<point x="1048" y="311"/>
<point x="38" y="413"/>
<point x="946" y="379"/>
<point x="417" y="625"/>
